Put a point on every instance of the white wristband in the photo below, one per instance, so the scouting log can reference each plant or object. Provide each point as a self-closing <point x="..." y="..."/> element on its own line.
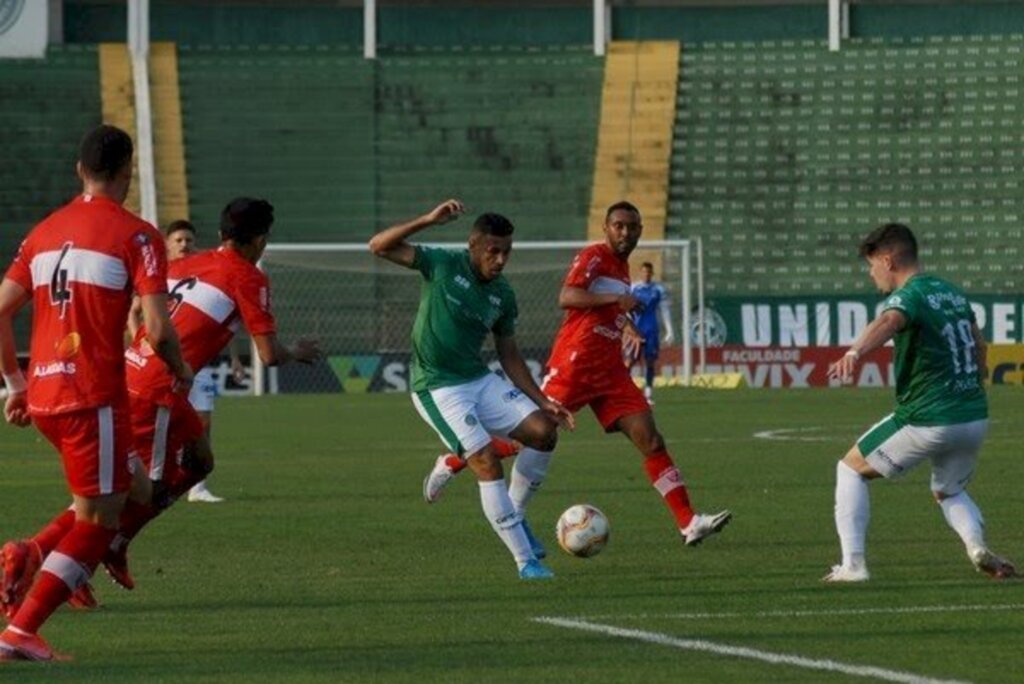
<point x="15" y="383"/>
<point x="853" y="352"/>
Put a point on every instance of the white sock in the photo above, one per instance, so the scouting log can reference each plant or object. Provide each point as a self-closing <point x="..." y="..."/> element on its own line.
<point x="963" y="516"/>
<point x="506" y="522"/>
<point x="527" y="476"/>
<point x="853" y="510"/>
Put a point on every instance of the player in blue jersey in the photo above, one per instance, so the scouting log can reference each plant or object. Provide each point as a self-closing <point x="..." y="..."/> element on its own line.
<point x="653" y="302"/>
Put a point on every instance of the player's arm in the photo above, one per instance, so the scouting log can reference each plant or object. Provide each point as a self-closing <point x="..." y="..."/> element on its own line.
<point x="518" y="373"/>
<point x="982" y="347"/>
<point x="12" y="298"/>
<point x="135" y="317"/>
<point x="876" y="334"/>
<point x="578" y="298"/>
<point x="163" y="338"/>
<point x="273" y="353"/>
<point x="235" y="354"/>
<point x="666" y="320"/>
<point x="391" y="243"/>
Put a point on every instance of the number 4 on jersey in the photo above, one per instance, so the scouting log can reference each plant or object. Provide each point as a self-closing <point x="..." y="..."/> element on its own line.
<point x="60" y="293"/>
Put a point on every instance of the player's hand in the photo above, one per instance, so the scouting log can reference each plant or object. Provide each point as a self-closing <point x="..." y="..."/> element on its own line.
<point x="446" y="212"/>
<point x="306" y="350"/>
<point x="237" y="370"/>
<point x="16" y="409"/>
<point x="562" y="415"/>
<point x="183" y="379"/>
<point x="670" y="337"/>
<point x="627" y="302"/>
<point x="843" y="369"/>
<point x="632" y="342"/>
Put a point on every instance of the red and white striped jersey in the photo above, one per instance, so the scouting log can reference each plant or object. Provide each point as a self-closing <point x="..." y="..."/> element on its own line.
<point x="211" y="293"/>
<point x="82" y="265"/>
<point x="591" y="339"/>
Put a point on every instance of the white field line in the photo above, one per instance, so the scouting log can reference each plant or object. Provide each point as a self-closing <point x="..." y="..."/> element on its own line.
<point x="793" y="435"/>
<point x="838" y="612"/>
<point x="868" y="671"/>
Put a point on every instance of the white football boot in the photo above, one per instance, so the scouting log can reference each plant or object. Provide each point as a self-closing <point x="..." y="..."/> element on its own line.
<point x="703" y="526"/>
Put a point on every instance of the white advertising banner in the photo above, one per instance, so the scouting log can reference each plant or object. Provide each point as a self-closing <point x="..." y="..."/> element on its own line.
<point x="23" y="28"/>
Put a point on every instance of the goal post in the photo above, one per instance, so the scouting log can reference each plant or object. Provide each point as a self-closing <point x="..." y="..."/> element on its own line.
<point x="362" y="309"/>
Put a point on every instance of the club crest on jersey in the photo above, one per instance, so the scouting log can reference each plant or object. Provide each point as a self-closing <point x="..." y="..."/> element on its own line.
<point x="462" y="282"/>
<point x="471" y="420"/>
<point x="495" y="300"/>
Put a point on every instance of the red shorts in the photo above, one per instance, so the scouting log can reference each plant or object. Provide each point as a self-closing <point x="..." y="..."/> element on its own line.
<point x="161" y="433"/>
<point x="95" y="446"/>
<point x="611" y="393"/>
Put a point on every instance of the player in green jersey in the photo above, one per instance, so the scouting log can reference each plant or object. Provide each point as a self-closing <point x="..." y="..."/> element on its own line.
<point x="941" y="412"/>
<point x="463" y="299"/>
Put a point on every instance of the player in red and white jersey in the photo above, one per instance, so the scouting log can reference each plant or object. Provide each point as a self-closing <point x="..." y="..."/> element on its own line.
<point x="586" y="367"/>
<point x="212" y="294"/>
<point x="79" y="268"/>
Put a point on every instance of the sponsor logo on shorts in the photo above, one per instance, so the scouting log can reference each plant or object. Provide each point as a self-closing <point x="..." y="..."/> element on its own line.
<point x="885" y="457"/>
<point x="512" y="395"/>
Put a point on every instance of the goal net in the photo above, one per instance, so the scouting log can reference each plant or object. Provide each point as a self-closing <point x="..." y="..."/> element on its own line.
<point x="362" y="310"/>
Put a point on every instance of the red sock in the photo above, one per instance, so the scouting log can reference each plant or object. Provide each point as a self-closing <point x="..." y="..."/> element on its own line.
<point x="665" y="477"/>
<point x="502" y="447"/>
<point x="48" y="537"/>
<point x="69" y="566"/>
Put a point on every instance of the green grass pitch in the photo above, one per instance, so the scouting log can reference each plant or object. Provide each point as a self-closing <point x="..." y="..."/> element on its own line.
<point x="325" y="564"/>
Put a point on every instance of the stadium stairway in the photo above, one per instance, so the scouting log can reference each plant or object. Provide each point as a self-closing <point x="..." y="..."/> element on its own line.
<point x="634" y="139"/>
<point x="168" y="138"/>
<point x="117" y="94"/>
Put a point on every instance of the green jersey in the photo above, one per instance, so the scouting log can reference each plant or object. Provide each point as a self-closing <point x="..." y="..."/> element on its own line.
<point x="456" y="313"/>
<point x="938" y="379"/>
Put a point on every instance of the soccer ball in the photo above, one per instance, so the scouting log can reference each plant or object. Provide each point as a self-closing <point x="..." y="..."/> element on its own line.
<point x="582" y="530"/>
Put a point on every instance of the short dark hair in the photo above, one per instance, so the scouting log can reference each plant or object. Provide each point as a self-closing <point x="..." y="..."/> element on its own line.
<point x="493" y="224"/>
<point x="104" y="151"/>
<point x="624" y="205"/>
<point x="647" y="264"/>
<point x="891" y="237"/>
<point x="179" y="224"/>
<point x="244" y="219"/>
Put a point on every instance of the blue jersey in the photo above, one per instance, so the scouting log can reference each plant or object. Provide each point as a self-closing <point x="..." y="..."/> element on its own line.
<point x="650" y="295"/>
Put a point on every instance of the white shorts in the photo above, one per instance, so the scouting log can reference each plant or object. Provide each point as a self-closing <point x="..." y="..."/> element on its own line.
<point x="892" y="450"/>
<point x="204" y="390"/>
<point x="465" y="416"/>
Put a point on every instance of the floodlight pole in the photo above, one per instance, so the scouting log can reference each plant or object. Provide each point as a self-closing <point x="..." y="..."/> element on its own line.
<point x="602" y="26"/>
<point x="138" y="48"/>
<point x="838" y="23"/>
<point x="370" y="29"/>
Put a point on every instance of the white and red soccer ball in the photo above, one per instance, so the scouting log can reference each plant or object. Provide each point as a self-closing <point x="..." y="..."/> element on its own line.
<point x="582" y="530"/>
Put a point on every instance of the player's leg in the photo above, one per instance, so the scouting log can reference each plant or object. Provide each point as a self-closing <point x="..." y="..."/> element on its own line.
<point x="94" y="446"/>
<point x="20" y="559"/>
<point x="650" y="365"/>
<point x="888" y="449"/>
<point x="202" y="398"/>
<point x="952" y="469"/>
<point x="661" y="470"/>
<point x="450" y="464"/>
<point x="504" y="410"/>
<point x="452" y="413"/>
<point x="177" y="430"/>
